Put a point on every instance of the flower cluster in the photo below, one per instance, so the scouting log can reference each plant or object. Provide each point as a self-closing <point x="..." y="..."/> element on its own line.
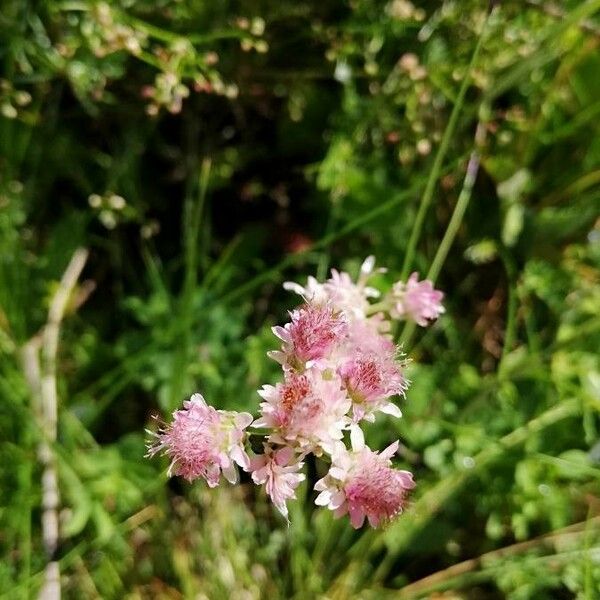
<point x="340" y="367"/>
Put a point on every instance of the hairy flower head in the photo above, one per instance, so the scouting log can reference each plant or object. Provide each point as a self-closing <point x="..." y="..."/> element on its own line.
<point x="306" y="411"/>
<point x="363" y="484"/>
<point x="203" y="442"/>
<point x="312" y="334"/>
<point x="416" y="300"/>
<point x="371" y="369"/>
<point x="349" y="297"/>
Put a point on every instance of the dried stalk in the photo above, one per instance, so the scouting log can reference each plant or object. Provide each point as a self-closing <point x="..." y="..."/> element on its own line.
<point x="39" y="366"/>
<point x="431" y="583"/>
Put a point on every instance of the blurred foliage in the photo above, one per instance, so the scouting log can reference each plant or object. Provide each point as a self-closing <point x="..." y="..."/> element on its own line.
<point x="207" y="151"/>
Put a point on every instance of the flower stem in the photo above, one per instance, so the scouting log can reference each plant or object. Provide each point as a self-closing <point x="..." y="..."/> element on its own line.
<point x="461" y="206"/>
<point x="439" y="158"/>
<point x="455" y="222"/>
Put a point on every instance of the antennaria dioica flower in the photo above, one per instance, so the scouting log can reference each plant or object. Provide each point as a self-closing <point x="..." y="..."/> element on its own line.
<point x="340" y="367"/>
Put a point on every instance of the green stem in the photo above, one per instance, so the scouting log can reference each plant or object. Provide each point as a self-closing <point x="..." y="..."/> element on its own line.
<point x="439" y="158"/>
<point x="167" y="36"/>
<point x="257" y="432"/>
<point x="455" y="222"/>
<point x="529" y="320"/>
<point x="382" y="306"/>
<point x="192" y="214"/>
<point x="192" y="228"/>
<point x="459" y="210"/>
<point x="511" y="314"/>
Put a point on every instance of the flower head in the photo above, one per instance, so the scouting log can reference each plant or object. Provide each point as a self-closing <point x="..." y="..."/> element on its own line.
<point x="416" y="300"/>
<point x="371" y="370"/>
<point x="363" y="484"/>
<point x="313" y="292"/>
<point x="311" y="335"/>
<point x="279" y="472"/>
<point x="342" y="293"/>
<point x="202" y="441"/>
<point x="371" y="379"/>
<point x="306" y="411"/>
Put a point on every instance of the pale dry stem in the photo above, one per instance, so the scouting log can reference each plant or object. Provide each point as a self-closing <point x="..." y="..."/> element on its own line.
<point x="38" y="358"/>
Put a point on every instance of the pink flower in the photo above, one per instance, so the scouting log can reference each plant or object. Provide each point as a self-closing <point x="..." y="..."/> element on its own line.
<point x="341" y="292"/>
<point x="314" y="331"/>
<point x="350" y="297"/>
<point x="371" y="379"/>
<point x="307" y="411"/>
<point x="313" y="292"/>
<point x="363" y="484"/>
<point x="371" y="372"/>
<point x="273" y="468"/>
<point x="416" y="300"/>
<point x="202" y="441"/>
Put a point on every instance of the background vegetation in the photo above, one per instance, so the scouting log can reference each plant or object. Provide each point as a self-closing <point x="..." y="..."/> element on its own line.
<point x="203" y="153"/>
